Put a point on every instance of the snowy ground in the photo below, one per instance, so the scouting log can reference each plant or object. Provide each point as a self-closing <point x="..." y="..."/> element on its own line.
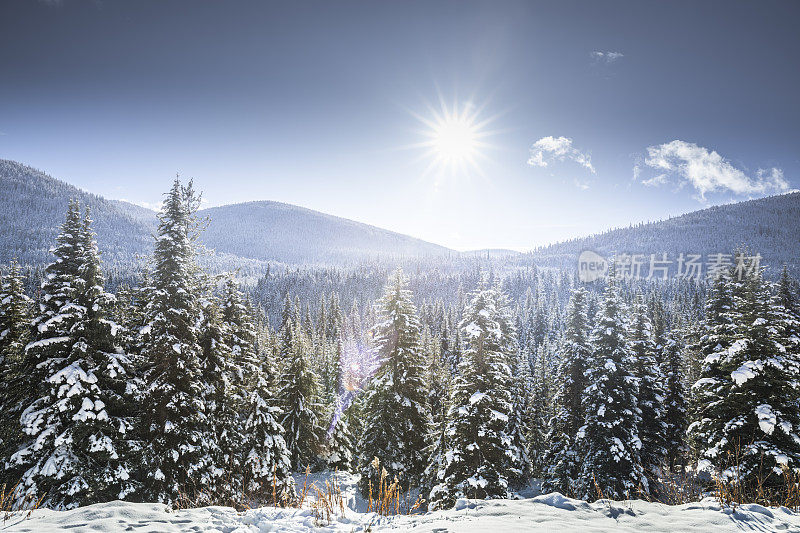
<point x="552" y="513"/>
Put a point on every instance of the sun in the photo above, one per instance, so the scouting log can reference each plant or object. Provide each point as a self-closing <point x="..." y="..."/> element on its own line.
<point x="454" y="137"/>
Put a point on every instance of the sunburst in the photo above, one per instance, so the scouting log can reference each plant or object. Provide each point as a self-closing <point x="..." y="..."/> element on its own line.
<point x="455" y="138"/>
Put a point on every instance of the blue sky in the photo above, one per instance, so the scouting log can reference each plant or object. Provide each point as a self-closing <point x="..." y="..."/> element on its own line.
<point x="600" y="114"/>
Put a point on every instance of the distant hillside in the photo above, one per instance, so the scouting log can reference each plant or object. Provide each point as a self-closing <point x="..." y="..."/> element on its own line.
<point x="493" y="253"/>
<point x="271" y="230"/>
<point x="33" y="206"/>
<point x="769" y="226"/>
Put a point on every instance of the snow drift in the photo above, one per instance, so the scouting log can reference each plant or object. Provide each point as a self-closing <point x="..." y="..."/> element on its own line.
<point x="553" y="513"/>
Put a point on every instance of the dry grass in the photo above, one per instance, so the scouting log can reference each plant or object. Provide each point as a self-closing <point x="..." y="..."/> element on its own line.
<point x="678" y="488"/>
<point x="765" y="488"/>
<point x="732" y="486"/>
<point x="328" y="501"/>
<point x="253" y="495"/>
<point x="11" y="505"/>
<point x="388" y="498"/>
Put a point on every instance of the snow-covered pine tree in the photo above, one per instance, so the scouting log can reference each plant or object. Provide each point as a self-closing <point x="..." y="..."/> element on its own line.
<point x="397" y="416"/>
<point x="340" y="443"/>
<point x="519" y="463"/>
<point x="339" y="446"/>
<point x="675" y="410"/>
<point x="788" y="314"/>
<point x="298" y="400"/>
<point x="716" y="337"/>
<point x="609" y="439"/>
<point x="480" y="452"/>
<point x="175" y="418"/>
<point x="540" y="409"/>
<point x="757" y="432"/>
<point x="261" y="452"/>
<point x="58" y="312"/>
<point x="14" y="315"/>
<point x="651" y="392"/>
<point x="284" y="342"/>
<point x="15" y="309"/>
<point x="329" y="339"/>
<point x="439" y="383"/>
<point x="265" y="454"/>
<point x="521" y="420"/>
<point x="563" y="474"/>
<point x="221" y="385"/>
<point x="79" y="428"/>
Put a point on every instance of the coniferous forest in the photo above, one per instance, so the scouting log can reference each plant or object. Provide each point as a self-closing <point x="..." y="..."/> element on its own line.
<point x="467" y="380"/>
<point x="436" y="266"/>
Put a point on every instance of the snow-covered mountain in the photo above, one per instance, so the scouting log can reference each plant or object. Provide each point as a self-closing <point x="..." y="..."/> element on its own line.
<point x="296" y="235"/>
<point x="32" y="207"/>
<point x="767" y="226"/>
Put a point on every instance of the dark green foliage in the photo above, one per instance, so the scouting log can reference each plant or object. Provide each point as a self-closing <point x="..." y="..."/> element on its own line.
<point x="651" y="392"/>
<point x="175" y="419"/>
<point x="609" y="440"/>
<point x="79" y="447"/>
<point x="396" y="415"/>
<point x="15" y="309"/>
<point x="751" y="424"/>
<point x="298" y="400"/>
<point x="563" y="460"/>
<point x="481" y="457"/>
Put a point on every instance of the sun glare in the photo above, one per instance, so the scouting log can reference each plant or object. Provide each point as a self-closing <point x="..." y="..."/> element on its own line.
<point x="454" y="137"/>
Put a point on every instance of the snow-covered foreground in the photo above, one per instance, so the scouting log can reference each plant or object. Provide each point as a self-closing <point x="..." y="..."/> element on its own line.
<point x="552" y="513"/>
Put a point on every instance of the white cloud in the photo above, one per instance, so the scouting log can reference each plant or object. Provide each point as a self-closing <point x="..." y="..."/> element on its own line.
<point x="655" y="181"/>
<point x="607" y="57"/>
<point x="549" y="149"/>
<point x="683" y="163"/>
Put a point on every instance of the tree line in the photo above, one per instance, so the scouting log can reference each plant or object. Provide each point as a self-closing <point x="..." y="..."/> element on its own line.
<point x="180" y="390"/>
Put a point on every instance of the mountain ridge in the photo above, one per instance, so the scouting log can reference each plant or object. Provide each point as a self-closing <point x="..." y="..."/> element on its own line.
<point x="769" y="226"/>
<point x="33" y="203"/>
<point x="32" y="206"/>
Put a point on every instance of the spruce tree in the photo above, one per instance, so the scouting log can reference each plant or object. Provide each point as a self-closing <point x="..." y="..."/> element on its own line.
<point x="57" y="314"/>
<point x="788" y="314"/>
<point x="522" y="421"/>
<point x="265" y="456"/>
<point x="258" y="445"/>
<point x="651" y="392"/>
<point x="481" y="457"/>
<point x="79" y="447"/>
<point x="397" y="417"/>
<point x="298" y="394"/>
<point x="675" y="405"/>
<point x="220" y="381"/>
<point x="440" y="382"/>
<point x="15" y="309"/>
<point x="609" y="440"/>
<point x="340" y="443"/>
<point x="564" y="463"/>
<point x="540" y="409"/>
<point x="518" y="462"/>
<point x="756" y="433"/>
<point x="339" y="446"/>
<point x="717" y="335"/>
<point x="175" y="420"/>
